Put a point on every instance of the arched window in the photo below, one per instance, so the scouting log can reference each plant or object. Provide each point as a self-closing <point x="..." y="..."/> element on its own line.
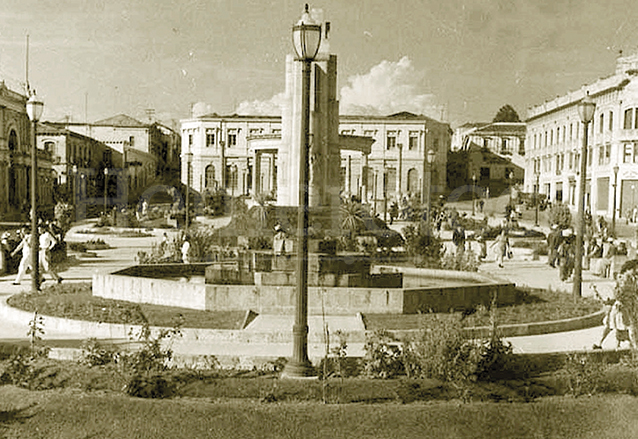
<point x="13" y="141"/>
<point x="210" y="176"/>
<point x="413" y="181"/>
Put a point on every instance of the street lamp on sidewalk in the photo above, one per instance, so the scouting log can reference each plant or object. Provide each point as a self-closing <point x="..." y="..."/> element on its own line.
<point x="613" y="212"/>
<point x="586" y="109"/>
<point x="189" y="160"/>
<point x="536" y="197"/>
<point x="431" y="155"/>
<point x="306" y="37"/>
<point x="106" y="182"/>
<point x="34" y="110"/>
<point x="473" y="192"/>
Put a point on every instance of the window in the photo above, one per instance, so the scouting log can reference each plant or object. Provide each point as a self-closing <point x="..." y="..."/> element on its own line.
<point x="635" y="152"/>
<point x="391" y="141"/>
<point x="210" y="176"/>
<point x="590" y="156"/>
<point x="210" y="138"/>
<point x="131" y="141"/>
<point x="413" y="141"/>
<point x="601" y="125"/>
<point x="564" y="132"/>
<point x="558" y="135"/>
<point x="190" y="140"/>
<point x="571" y="131"/>
<point x="232" y="139"/>
<point x="611" y="120"/>
<point x="628" y="151"/>
<point x="636" y="119"/>
<point x="601" y="155"/>
<point x="628" y="118"/>
<point x="607" y="154"/>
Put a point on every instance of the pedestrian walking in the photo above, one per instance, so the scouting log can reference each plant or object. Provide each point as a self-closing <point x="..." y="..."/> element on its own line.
<point x="502" y="247"/>
<point x="553" y="241"/>
<point x="458" y="238"/>
<point x="566" y="255"/>
<point x="47" y="242"/>
<point x="25" y="262"/>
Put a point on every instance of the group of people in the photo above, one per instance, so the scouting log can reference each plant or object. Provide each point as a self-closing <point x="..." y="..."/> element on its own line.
<point x="47" y="242"/>
<point x="561" y="251"/>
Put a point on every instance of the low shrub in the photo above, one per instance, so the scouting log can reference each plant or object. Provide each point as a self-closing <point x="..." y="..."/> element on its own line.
<point x="383" y="356"/>
<point x="584" y="374"/>
<point x="461" y="261"/>
<point x="150" y="386"/>
<point x="95" y="353"/>
<point x="540" y="247"/>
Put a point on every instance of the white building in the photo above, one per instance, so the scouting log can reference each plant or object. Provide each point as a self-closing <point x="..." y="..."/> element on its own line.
<point x="554" y="140"/>
<point x="226" y="148"/>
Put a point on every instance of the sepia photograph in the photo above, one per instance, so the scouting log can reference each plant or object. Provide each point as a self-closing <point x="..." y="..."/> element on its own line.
<point x="341" y="219"/>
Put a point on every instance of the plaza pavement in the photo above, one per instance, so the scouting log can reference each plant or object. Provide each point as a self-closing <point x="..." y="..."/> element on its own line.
<point x="521" y="269"/>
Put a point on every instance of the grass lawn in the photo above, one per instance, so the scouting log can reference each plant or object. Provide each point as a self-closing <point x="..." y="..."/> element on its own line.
<point x="533" y="306"/>
<point x="73" y="414"/>
<point x="74" y="301"/>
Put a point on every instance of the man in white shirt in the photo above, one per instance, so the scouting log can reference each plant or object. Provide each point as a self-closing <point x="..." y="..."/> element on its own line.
<point x="47" y="242"/>
<point x="25" y="262"/>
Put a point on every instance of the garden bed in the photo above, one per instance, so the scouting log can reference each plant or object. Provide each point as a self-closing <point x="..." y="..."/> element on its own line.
<point x="75" y="301"/>
<point x="533" y="306"/>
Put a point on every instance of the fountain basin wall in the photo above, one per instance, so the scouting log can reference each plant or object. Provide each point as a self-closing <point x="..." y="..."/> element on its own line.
<point x="183" y="286"/>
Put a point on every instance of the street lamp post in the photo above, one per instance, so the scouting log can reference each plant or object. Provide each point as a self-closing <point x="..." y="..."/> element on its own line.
<point x="613" y="212"/>
<point x="106" y="182"/>
<point x="34" y="111"/>
<point x="189" y="159"/>
<point x="306" y="37"/>
<point x="586" y="109"/>
<point x="473" y="191"/>
<point x="536" y="196"/>
<point x="75" y="188"/>
<point x="428" y="193"/>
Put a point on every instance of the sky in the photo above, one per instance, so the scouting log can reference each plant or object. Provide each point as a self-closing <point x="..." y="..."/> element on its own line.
<point x="455" y="60"/>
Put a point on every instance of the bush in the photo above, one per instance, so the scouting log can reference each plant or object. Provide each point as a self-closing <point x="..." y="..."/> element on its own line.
<point x="443" y="352"/>
<point x="539" y="246"/>
<point x="584" y="374"/>
<point x="96" y="354"/>
<point x="150" y="386"/>
<point x="425" y="248"/>
<point x="383" y="357"/>
<point x="465" y="261"/>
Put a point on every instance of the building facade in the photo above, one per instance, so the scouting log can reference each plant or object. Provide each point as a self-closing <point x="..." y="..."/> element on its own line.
<point x="554" y="139"/>
<point x="15" y="160"/>
<point x="80" y="165"/>
<point x="150" y="151"/>
<point x="240" y="154"/>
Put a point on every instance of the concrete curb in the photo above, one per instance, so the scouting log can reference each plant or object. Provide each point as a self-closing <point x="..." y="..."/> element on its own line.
<point x="524" y="329"/>
<point x="57" y="325"/>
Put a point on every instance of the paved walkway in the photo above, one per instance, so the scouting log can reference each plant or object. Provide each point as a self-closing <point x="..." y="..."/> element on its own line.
<point x="521" y="270"/>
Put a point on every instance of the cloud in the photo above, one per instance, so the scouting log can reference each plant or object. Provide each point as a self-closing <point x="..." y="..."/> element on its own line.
<point x="271" y="107"/>
<point x="389" y="87"/>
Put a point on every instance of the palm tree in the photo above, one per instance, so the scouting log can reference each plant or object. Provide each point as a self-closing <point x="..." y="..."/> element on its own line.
<point x="352" y="214"/>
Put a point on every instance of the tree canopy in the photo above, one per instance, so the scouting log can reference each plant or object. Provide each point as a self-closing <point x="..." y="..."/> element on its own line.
<point x="506" y="114"/>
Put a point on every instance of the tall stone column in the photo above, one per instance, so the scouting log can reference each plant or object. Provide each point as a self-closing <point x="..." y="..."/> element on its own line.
<point x="364" y="177"/>
<point x="256" y="173"/>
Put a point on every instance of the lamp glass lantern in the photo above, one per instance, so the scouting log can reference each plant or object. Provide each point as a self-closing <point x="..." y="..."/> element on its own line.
<point x="35" y="107"/>
<point x="306" y="37"/>
<point x="586" y="108"/>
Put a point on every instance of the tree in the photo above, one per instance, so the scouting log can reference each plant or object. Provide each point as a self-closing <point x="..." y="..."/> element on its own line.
<point x="506" y="114"/>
